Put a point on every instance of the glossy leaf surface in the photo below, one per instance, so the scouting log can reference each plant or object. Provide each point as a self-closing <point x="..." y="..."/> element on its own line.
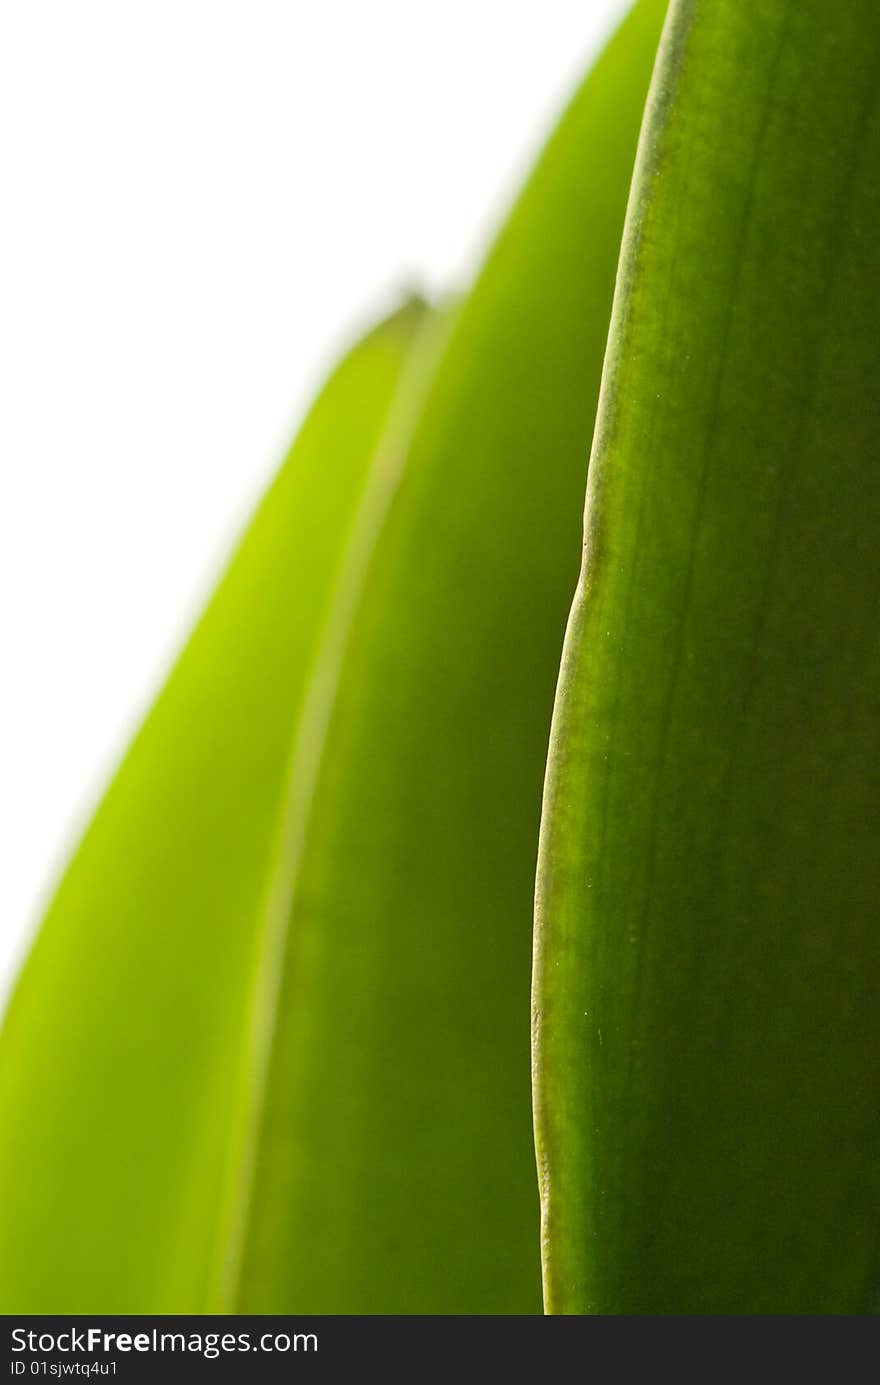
<point x="707" y="965"/>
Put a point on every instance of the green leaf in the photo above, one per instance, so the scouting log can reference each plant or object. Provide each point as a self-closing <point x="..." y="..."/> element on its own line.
<point x="707" y="1029"/>
<point x="392" y="1162"/>
<point x="270" y="1051"/>
<point x="119" y="1053"/>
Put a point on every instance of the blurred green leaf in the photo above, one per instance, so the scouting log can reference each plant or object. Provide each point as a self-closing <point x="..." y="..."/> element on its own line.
<point x="271" y="1050"/>
<point x="120" y="1049"/>
<point x="392" y="1161"/>
<point x="707" y="969"/>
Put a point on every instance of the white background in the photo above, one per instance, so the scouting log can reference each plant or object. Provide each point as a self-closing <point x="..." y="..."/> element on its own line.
<point x="199" y="202"/>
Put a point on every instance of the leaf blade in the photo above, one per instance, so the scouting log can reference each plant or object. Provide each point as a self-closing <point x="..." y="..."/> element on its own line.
<point x="704" y="961"/>
<point x="412" y="1190"/>
<point x="117" y="1044"/>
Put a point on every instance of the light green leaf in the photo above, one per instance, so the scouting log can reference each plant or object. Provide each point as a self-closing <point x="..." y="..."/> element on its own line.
<point x="392" y="1160"/>
<point x="707" y="970"/>
<point x="120" y="1050"/>
<point x="271" y="1050"/>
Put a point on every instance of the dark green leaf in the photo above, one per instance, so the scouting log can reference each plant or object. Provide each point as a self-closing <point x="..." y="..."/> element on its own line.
<point x="707" y="1025"/>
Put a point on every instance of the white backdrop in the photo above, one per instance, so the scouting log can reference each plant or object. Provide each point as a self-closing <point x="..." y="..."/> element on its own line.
<point x="200" y="201"/>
